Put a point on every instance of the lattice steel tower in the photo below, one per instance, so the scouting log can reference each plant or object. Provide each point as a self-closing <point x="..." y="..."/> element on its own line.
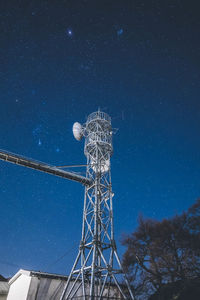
<point x="97" y="271"/>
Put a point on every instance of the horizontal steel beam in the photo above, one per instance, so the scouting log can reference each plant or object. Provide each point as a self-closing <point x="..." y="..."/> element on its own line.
<point x="40" y="166"/>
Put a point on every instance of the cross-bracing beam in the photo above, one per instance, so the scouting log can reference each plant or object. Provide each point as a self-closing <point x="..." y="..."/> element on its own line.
<point x="40" y="166"/>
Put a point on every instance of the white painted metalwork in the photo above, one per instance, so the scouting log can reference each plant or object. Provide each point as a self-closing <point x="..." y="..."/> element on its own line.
<point x="97" y="271"/>
<point x="43" y="167"/>
<point x="77" y="131"/>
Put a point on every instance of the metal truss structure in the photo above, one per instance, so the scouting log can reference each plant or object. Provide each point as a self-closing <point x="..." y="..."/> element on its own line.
<point x="43" y="167"/>
<point x="97" y="271"/>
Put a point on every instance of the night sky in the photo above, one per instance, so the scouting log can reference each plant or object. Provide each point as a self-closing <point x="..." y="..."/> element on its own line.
<point x="139" y="62"/>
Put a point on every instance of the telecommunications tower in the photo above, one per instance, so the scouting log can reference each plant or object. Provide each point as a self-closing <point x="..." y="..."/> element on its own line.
<point x="97" y="271"/>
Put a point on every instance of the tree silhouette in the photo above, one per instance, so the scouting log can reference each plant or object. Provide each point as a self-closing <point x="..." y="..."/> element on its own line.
<point x="161" y="254"/>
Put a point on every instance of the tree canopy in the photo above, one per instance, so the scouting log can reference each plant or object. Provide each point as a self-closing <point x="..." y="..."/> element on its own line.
<point x="164" y="255"/>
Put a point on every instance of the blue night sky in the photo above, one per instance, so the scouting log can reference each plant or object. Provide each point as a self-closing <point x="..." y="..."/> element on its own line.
<point x="139" y="62"/>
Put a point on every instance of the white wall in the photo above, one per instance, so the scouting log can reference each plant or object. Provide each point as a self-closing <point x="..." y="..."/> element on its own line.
<point x="19" y="288"/>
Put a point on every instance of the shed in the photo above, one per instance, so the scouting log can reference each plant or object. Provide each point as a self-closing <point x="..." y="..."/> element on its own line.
<point x="32" y="285"/>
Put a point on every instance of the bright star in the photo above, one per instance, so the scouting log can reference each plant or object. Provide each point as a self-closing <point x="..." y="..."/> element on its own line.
<point x="69" y="32"/>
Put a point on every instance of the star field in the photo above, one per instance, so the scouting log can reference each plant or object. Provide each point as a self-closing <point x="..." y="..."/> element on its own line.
<point x="59" y="61"/>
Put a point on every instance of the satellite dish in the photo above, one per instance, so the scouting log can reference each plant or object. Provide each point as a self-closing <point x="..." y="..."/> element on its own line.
<point x="77" y="131"/>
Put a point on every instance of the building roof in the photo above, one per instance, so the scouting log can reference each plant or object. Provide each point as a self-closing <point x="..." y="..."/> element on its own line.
<point x="42" y="285"/>
<point x="37" y="274"/>
<point x="48" y="275"/>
